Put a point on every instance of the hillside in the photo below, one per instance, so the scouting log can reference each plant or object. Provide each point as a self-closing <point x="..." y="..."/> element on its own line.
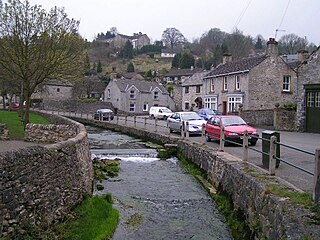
<point x="142" y="63"/>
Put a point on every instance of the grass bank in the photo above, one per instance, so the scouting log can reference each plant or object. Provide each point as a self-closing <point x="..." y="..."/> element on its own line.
<point x="15" y="124"/>
<point x="93" y="219"/>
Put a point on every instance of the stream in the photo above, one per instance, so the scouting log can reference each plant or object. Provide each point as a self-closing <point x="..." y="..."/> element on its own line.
<point x="156" y="199"/>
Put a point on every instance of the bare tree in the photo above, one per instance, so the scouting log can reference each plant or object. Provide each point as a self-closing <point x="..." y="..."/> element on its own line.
<point x="291" y="44"/>
<point x="37" y="45"/>
<point x="172" y="37"/>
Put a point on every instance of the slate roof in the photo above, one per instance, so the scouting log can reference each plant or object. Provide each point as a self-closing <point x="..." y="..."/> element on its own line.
<point x="195" y="79"/>
<point x="131" y="75"/>
<point x="243" y="65"/>
<point x="174" y="72"/>
<point x="141" y="85"/>
<point x="137" y="36"/>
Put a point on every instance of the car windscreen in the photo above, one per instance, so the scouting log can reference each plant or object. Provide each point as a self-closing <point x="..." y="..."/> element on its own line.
<point x="233" y="121"/>
<point x="210" y="112"/>
<point x="166" y="110"/>
<point x="190" y="116"/>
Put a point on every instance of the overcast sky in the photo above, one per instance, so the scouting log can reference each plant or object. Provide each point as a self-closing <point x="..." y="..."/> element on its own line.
<point x="193" y="18"/>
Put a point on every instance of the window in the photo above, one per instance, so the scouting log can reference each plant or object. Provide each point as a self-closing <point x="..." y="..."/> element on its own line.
<point x="132" y="94"/>
<point x="286" y="83"/>
<point x="225" y="84"/>
<point x="145" y="107"/>
<point x="233" y="103"/>
<point x="310" y="99"/>
<point x="237" y="82"/>
<point x="108" y="93"/>
<point x="156" y="95"/>
<point x="132" y="107"/>
<point x="186" y="105"/>
<point x="198" y="89"/>
<point x="211" y="85"/>
<point x="186" y="89"/>
<point x="317" y="99"/>
<point x="211" y="102"/>
<point x="58" y="89"/>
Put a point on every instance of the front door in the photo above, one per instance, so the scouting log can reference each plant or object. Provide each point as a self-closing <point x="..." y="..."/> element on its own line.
<point x="224" y="107"/>
<point x="313" y="110"/>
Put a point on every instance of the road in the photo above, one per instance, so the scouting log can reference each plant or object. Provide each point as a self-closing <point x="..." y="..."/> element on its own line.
<point x="305" y="141"/>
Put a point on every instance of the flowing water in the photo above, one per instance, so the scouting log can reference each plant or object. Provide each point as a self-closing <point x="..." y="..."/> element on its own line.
<point x="157" y="199"/>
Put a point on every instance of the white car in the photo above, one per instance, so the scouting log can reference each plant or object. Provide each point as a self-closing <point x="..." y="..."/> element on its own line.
<point x="194" y="120"/>
<point x="160" y="112"/>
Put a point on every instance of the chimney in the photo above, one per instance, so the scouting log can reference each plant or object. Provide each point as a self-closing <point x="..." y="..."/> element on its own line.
<point x="272" y="47"/>
<point x="303" y="55"/>
<point x="227" y="57"/>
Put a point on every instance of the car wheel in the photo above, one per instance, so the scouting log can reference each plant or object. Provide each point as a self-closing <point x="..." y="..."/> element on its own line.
<point x="208" y="139"/>
<point x="165" y="117"/>
<point x="152" y="117"/>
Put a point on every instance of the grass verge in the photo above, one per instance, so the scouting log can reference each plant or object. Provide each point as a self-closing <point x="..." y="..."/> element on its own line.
<point x="94" y="219"/>
<point x="15" y="125"/>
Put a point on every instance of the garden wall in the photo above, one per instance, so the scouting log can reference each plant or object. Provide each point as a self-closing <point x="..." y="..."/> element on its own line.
<point x="40" y="184"/>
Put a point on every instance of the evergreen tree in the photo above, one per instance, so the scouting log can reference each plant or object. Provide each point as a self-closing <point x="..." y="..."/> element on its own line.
<point x="258" y="44"/>
<point x="130" y="67"/>
<point x="99" y="67"/>
<point x="127" y="51"/>
<point x="86" y="66"/>
<point x="186" y="61"/>
<point x="176" y="60"/>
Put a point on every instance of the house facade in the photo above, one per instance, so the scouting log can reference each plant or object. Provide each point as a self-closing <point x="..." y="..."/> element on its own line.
<point x="192" y="92"/>
<point x="138" y="40"/>
<point x="54" y="90"/>
<point x="168" y="53"/>
<point x="255" y="83"/>
<point x="308" y="97"/>
<point x="137" y="96"/>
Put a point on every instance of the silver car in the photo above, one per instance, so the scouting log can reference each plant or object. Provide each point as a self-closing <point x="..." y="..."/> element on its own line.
<point x="194" y="120"/>
<point x="103" y="114"/>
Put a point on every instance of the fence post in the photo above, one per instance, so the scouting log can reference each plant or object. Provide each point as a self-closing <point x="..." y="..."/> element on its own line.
<point x="81" y="114"/>
<point x="187" y="132"/>
<point x="135" y="121"/>
<point x="125" y="120"/>
<point x="117" y="120"/>
<point x="245" y="145"/>
<point x="145" y="123"/>
<point x="222" y="139"/>
<point x="272" y="155"/>
<point x="203" y="136"/>
<point x="182" y="130"/>
<point x="155" y="124"/>
<point x="316" y="184"/>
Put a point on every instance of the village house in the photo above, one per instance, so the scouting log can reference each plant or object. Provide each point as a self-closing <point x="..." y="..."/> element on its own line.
<point x="168" y="53"/>
<point x="308" y="94"/>
<point x="192" y="93"/>
<point x="256" y="83"/>
<point x="54" y="90"/>
<point x="178" y="76"/>
<point x="137" y="96"/>
<point x="138" y="40"/>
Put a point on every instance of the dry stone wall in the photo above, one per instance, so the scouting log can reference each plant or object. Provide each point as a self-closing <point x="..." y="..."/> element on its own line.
<point x="40" y="184"/>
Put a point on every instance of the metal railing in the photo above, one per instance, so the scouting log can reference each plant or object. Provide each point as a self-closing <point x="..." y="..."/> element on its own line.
<point x="273" y="145"/>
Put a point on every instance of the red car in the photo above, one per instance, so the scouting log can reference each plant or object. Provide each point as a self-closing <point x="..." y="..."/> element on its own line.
<point x="234" y="127"/>
<point x="13" y="106"/>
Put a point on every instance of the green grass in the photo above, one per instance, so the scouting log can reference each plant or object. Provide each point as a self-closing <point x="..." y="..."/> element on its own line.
<point x="15" y="125"/>
<point x="94" y="219"/>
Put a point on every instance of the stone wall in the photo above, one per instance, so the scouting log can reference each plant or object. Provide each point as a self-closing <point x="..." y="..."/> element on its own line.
<point x="284" y="120"/>
<point x="40" y="184"/>
<point x="74" y="106"/>
<point x="258" y="117"/>
<point x="268" y="215"/>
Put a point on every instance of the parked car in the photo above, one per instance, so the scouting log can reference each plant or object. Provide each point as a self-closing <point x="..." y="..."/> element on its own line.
<point x="13" y="105"/>
<point x="160" y="112"/>
<point x="207" y="113"/>
<point x="103" y="114"/>
<point x="234" y="127"/>
<point x="194" y="120"/>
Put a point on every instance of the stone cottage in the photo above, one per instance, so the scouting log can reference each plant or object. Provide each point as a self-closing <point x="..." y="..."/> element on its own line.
<point x="308" y="94"/>
<point x="193" y="92"/>
<point x="256" y="83"/>
<point x="54" y="90"/>
<point x="138" y="40"/>
<point x="137" y="96"/>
